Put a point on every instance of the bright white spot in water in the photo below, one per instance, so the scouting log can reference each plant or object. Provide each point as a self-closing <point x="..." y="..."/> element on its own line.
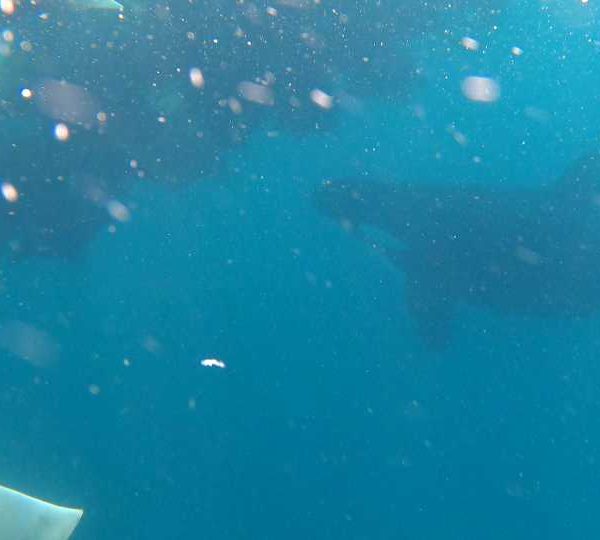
<point x="469" y="43"/>
<point x="61" y="132"/>
<point x="321" y="99"/>
<point x="197" y="78"/>
<point x="7" y="7"/>
<point x="213" y="362"/>
<point x="9" y="192"/>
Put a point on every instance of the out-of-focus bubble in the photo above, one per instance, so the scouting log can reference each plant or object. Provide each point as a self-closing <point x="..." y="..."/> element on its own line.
<point x="197" y="77"/>
<point x="516" y="51"/>
<point x="271" y="11"/>
<point x="235" y="106"/>
<point x="66" y="102"/>
<point x="26" y="93"/>
<point x="28" y="343"/>
<point x="7" y="7"/>
<point x="8" y="36"/>
<point x="61" y="132"/>
<point x="151" y="344"/>
<point x="528" y="256"/>
<point x="312" y="40"/>
<point x="9" y="192"/>
<point x="26" y="46"/>
<point x="321" y="99"/>
<point x="256" y="93"/>
<point x="536" y="114"/>
<point x="94" y="389"/>
<point x="458" y="136"/>
<point x="118" y="211"/>
<point x="469" y="43"/>
<point x="481" y="89"/>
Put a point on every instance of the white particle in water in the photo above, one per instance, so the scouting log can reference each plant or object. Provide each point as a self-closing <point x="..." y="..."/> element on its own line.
<point x="213" y="362"/>
<point x="61" y="132"/>
<point x="197" y="77"/>
<point x="9" y="192"/>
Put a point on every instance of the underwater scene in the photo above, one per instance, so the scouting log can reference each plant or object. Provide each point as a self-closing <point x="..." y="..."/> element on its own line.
<point x="289" y="269"/>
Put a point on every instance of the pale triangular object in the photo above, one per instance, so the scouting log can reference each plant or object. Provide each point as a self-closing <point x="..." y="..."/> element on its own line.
<point x="108" y="5"/>
<point x="25" y="518"/>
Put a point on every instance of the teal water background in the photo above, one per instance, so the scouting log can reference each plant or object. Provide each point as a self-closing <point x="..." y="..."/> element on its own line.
<point x="331" y="419"/>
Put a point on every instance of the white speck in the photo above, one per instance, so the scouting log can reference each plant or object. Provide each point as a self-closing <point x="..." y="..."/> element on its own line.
<point x="196" y="78"/>
<point x="321" y="99"/>
<point x="213" y="362"/>
<point x="61" y="132"/>
<point x="9" y="192"/>
<point x="469" y="43"/>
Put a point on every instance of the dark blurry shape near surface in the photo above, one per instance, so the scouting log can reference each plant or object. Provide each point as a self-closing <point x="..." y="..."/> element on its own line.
<point x="56" y="199"/>
<point x="534" y="252"/>
<point x="176" y="88"/>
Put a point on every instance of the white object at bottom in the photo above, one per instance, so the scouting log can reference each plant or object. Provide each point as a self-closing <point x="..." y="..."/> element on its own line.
<point x="26" y="518"/>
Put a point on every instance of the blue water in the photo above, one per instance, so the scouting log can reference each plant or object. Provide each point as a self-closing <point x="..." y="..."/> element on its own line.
<point x="332" y="419"/>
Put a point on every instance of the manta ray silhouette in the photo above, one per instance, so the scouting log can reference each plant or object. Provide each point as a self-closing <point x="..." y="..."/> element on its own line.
<point x="520" y="251"/>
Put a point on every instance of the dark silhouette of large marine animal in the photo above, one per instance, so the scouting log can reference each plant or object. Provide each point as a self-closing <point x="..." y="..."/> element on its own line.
<point x="521" y="251"/>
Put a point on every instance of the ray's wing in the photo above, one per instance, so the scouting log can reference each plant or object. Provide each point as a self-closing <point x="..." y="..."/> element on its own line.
<point x="25" y="518"/>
